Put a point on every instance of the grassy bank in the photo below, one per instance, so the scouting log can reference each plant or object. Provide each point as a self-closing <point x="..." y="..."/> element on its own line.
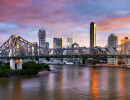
<point x="28" y="68"/>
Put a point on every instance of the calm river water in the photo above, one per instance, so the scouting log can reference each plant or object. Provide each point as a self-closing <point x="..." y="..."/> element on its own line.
<point x="72" y="83"/>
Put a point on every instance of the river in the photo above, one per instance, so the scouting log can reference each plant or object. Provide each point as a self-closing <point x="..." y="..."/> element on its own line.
<point x="72" y="83"/>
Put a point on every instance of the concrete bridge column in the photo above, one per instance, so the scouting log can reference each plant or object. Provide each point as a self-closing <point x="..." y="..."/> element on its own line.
<point x="19" y="64"/>
<point x="16" y="61"/>
<point x="12" y="63"/>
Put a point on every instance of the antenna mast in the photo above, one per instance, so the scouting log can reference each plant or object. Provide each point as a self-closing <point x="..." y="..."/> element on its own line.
<point x="42" y="26"/>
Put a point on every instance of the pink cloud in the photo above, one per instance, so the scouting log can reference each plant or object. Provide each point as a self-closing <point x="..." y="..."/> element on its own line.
<point x="30" y="12"/>
<point x="55" y="14"/>
<point x="114" y="23"/>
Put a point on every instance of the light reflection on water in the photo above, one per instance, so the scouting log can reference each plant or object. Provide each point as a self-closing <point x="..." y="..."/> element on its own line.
<point x="73" y="83"/>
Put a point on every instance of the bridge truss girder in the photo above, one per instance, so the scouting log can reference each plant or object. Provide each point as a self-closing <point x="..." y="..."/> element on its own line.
<point x="16" y="46"/>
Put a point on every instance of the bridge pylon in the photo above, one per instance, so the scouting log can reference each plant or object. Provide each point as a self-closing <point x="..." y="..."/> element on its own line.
<point x="15" y="64"/>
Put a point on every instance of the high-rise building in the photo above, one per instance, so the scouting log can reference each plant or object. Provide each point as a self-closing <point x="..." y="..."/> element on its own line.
<point x="57" y="43"/>
<point x="127" y="61"/>
<point x="112" y="42"/>
<point x="47" y="45"/>
<point x="92" y="35"/>
<point x="70" y="41"/>
<point x="42" y="38"/>
<point x="125" y="47"/>
<point x="35" y="48"/>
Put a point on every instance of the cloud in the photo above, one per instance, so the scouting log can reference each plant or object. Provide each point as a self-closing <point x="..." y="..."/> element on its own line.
<point x="28" y="12"/>
<point x="7" y="26"/>
<point x="114" y="23"/>
<point x="62" y="18"/>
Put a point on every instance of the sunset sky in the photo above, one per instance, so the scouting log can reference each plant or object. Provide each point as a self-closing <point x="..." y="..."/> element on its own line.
<point x="64" y="18"/>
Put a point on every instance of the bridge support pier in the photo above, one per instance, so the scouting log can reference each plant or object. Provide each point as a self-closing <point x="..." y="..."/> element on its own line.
<point x="12" y="63"/>
<point x="16" y="64"/>
<point x="19" y="64"/>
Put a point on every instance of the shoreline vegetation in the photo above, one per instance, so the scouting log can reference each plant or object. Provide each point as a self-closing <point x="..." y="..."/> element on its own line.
<point x="29" y="68"/>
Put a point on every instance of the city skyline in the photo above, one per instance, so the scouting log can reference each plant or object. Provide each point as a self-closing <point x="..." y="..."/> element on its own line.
<point x="25" y="18"/>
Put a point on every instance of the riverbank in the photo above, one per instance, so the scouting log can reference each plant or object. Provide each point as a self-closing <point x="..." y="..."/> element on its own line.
<point x="29" y="68"/>
<point x="109" y="65"/>
<point x="41" y="73"/>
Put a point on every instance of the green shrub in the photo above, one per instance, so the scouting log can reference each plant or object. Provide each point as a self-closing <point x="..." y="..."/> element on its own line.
<point x="46" y="67"/>
<point x="7" y="64"/>
<point x="31" y="65"/>
<point x="29" y="69"/>
<point x="83" y="61"/>
<point x="41" y="64"/>
<point x="8" y="72"/>
<point x="20" y="72"/>
<point x="5" y="73"/>
<point x="2" y="67"/>
<point x="31" y="72"/>
<point x="30" y="62"/>
<point x="1" y="63"/>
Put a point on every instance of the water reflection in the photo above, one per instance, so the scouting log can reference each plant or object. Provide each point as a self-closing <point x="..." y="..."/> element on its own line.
<point x="121" y="83"/>
<point x="73" y="83"/>
<point x="17" y="90"/>
<point x="94" y="83"/>
<point x="62" y="86"/>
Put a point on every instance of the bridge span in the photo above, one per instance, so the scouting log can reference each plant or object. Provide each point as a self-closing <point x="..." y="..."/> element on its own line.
<point x="16" y="48"/>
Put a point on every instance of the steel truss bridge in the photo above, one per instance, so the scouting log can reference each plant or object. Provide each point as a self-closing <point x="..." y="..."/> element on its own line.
<point x="17" y="47"/>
